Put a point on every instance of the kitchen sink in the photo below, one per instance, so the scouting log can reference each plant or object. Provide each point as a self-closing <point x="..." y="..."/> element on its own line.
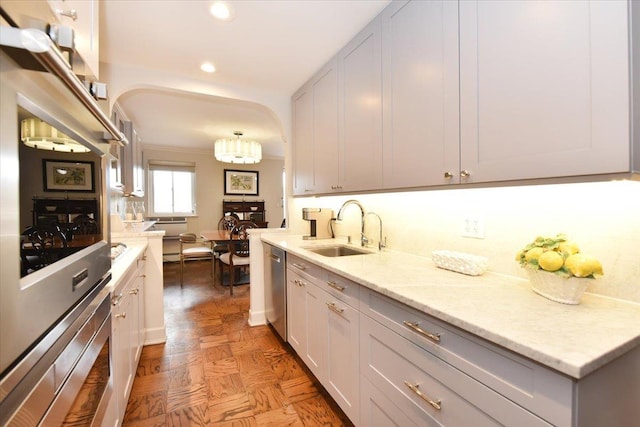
<point x="337" y="250"/>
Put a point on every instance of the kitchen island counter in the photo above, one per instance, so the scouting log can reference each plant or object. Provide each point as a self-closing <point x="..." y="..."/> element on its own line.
<point x="575" y="340"/>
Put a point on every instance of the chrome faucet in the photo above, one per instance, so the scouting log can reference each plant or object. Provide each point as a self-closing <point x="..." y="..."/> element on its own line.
<point x="381" y="244"/>
<point x="363" y="238"/>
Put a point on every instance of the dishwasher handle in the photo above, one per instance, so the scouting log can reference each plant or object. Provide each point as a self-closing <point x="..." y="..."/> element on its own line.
<point x="276" y="258"/>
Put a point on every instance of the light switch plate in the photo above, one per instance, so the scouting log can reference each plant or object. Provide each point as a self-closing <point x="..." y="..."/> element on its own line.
<point x="473" y="226"/>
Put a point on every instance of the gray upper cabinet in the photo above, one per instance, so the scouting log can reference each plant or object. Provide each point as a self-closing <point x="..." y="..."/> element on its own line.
<point x="132" y="166"/>
<point x="442" y="92"/>
<point x="544" y="89"/>
<point x="315" y="132"/>
<point x="325" y="135"/>
<point x="360" y="110"/>
<point x="420" y="93"/>
<point x="302" y="149"/>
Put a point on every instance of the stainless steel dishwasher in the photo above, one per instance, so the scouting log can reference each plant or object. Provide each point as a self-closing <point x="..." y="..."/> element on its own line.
<point x="275" y="291"/>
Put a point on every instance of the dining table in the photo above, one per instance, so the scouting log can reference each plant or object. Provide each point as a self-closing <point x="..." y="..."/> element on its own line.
<point x="221" y="240"/>
<point x="218" y="236"/>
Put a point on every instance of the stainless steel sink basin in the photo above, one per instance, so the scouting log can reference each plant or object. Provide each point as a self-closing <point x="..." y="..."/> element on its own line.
<point x="337" y="250"/>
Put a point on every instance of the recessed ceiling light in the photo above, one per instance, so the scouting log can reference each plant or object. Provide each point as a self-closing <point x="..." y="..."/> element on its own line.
<point x="208" y="67"/>
<point x="221" y="11"/>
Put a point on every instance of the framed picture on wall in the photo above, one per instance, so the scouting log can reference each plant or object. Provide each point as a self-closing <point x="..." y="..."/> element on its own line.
<point x="67" y="175"/>
<point x="243" y="183"/>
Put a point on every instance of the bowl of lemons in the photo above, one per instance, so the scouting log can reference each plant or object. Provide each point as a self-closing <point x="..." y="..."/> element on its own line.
<point x="557" y="269"/>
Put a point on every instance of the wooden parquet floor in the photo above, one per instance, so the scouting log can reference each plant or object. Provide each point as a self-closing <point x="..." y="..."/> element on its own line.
<point x="216" y="370"/>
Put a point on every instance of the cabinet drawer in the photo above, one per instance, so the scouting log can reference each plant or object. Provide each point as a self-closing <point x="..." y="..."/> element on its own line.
<point x="442" y="394"/>
<point x="341" y="288"/>
<point x="530" y="385"/>
<point x="377" y="410"/>
<point x="304" y="268"/>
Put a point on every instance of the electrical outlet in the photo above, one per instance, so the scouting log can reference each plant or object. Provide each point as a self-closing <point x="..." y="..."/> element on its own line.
<point x="473" y="226"/>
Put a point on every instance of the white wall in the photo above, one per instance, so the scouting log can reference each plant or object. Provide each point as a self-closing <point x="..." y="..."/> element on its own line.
<point x="210" y="184"/>
<point x="603" y="218"/>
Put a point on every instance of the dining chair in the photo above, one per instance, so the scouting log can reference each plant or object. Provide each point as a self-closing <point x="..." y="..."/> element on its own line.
<point x="227" y="222"/>
<point x="42" y="246"/>
<point x="83" y="224"/>
<point x="238" y="255"/>
<point x="193" y="248"/>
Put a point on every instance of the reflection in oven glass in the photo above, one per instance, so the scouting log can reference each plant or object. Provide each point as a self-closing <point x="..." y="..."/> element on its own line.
<point x="89" y="397"/>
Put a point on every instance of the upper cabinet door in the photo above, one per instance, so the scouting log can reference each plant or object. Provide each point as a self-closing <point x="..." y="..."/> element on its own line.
<point x="360" y="110"/>
<point x="420" y="93"/>
<point x="544" y="89"/>
<point x="303" y="141"/>
<point x="325" y="128"/>
<point x="84" y="17"/>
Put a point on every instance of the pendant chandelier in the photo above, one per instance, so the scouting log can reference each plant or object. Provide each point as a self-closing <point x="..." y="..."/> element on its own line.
<point x="36" y="133"/>
<point x="238" y="151"/>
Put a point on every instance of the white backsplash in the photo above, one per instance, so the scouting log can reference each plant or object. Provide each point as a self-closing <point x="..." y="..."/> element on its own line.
<point x="603" y="218"/>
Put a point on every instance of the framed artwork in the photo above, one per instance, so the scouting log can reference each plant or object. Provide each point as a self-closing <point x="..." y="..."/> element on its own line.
<point x="241" y="182"/>
<point x="67" y="175"/>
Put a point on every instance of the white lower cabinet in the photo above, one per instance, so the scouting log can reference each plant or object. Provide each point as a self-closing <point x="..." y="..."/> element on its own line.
<point x="388" y="364"/>
<point x="341" y="377"/>
<point x="128" y="332"/>
<point x="324" y="331"/>
<point x="428" y="390"/>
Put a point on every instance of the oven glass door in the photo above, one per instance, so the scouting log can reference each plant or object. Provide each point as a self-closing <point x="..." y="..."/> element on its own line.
<point x="54" y="233"/>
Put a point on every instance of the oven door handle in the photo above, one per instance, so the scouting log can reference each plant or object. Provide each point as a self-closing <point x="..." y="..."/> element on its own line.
<point x="43" y="49"/>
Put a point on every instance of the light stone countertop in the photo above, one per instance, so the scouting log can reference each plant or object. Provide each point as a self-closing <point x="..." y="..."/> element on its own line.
<point x="572" y="339"/>
<point x="136" y="229"/>
<point x="126" y="261"/>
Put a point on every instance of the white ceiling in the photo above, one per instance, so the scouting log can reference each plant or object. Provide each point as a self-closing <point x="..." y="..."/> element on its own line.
<point x="269" y="47"/>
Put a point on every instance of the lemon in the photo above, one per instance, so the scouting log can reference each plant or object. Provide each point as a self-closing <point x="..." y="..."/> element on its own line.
<point x="568" y="248"/>
<point x="550" y="261"/>
<point x="581" y="265"/>
<point x="533" y="254"/>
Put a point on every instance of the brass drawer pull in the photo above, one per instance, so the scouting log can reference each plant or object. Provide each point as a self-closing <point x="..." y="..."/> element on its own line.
<point x="122" y="315"/>
<point x="414" y="388"/>
<point x="300" y="266"/>
<point x="414" y="326"/>
<point x="134" y="291"/>
<point x="334" y="285"/>
<point x="300" y="283"/>
<point x="334" y="307"/>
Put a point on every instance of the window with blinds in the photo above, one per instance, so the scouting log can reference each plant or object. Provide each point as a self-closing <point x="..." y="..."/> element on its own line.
<point x="172" y="188"/>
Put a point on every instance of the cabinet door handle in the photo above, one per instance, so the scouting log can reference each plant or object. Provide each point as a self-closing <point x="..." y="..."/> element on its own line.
<point x="414" y="388"/>
<point x="448" y="175"/>
<point x="334" y="307"/>
<point x="465" y="173"/>
<point x="334" y="285"/>
<point x="134" y="291"/>
<point x="414" y="326"/>
<point x="116" y="299"/>
<point x="122" y="315"/>
<point x="71" y="13"/>
<point x="300" y="266"/>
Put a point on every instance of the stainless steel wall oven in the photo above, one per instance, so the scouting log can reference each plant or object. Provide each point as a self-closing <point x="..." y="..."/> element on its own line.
<point x="54" y="309"/>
